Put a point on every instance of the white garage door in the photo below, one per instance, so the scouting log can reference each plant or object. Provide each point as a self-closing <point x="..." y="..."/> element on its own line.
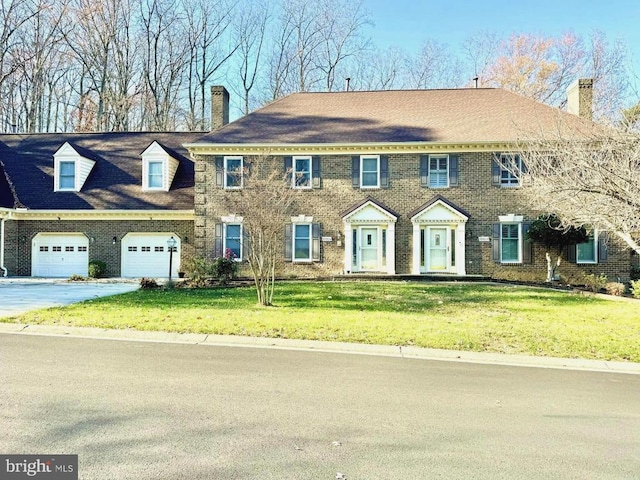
<point x="147" y="255"/>
<point x="59" y="255"/>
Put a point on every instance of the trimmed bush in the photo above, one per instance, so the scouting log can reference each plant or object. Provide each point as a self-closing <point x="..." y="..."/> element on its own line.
<point x="635" y="288"/>
<point x="97" y="269"/>
<point x="615" y="288"/>
<point x="595" y="283"/>
<point x="148" y="283"/>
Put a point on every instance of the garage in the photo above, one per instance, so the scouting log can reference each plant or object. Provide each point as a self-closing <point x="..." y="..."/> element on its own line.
<point x="59" y="255"/>
<point x="147" y="255"/>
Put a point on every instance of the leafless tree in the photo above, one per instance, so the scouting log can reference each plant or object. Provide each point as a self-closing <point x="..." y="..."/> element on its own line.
<point x="379" y="69"/>
<point x="587" y="176"/>
<point x="434" y="67"/>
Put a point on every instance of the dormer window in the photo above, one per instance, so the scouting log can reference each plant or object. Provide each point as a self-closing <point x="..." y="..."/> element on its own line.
<point x="158" y="168"/>
<point x="71" y="168"/>
<point x="67" y="176"/>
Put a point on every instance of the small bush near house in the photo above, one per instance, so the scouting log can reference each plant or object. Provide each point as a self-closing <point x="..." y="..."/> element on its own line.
<point x="615" y="288"/>
<point x="222" y="269"/>
<point x="594" y="283"/>
<point x="198" y="270"/>
<point x="77" y="278"/>
<point x="226" y="268"/>
<point x="635" y="288"/>
<point x="148" y="283"/>
<point x="97" y="269"/>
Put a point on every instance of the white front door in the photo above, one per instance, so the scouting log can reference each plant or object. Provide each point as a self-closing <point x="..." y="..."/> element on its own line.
<point x="437" y="248"/>
<point x="369" y="249"/>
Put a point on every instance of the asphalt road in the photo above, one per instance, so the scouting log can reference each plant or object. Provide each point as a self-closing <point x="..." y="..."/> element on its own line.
<point x="140" y="410"/>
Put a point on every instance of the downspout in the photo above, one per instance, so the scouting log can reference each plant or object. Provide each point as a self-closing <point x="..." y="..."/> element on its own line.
<point x="2" y="267"/>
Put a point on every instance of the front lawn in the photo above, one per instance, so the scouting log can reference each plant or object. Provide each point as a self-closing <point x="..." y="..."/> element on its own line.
<point x="478" y="317"/>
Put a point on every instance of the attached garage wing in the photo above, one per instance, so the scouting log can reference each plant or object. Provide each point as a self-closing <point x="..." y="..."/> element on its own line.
<point x="147" y="255"/>
<point x="59" y="255"/>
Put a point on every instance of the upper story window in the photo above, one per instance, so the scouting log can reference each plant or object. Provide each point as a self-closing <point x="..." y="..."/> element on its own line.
<point x="71" y="167"/>
<point x="301" y="172"/>
<point x="506" y="170"/>
<point x="370" y="172"/>
<point x="158" y="168"/>
<point x="233" y="167"/>
<point x="67" y="175"/>
<point x="438" y="171"/>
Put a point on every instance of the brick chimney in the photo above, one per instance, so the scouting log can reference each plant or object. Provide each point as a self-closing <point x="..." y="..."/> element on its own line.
<point x="219" y="107"/>
<point x="580" y="98"/>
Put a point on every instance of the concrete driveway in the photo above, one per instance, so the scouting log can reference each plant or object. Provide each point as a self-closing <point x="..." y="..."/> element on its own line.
<point x="21" y="295"/>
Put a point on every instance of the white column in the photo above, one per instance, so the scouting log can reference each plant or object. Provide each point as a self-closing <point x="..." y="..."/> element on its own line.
<point x="415" y="269"/>
<point x="348" y="248"/>
<point x="461" y="241"/>
<point x="391" y="249"/>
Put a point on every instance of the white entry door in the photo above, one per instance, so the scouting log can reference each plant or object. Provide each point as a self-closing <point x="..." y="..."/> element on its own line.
<point x="369" y="249"/>
<point x="437" y="249"/>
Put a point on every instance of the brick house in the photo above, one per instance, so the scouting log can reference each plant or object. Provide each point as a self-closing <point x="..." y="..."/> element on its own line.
<point x="393" y="182"/>
<point x="67" y="199"/>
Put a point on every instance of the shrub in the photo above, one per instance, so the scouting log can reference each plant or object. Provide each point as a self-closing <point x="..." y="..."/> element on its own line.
<point x="635" y="288"/>
<point x="593" y="282"/>
<point x="77" y="278"/>
<point x="148" y="283"/>
<point x="614" y="288"/>
<point x="221" y="269"/>
<point x="97" y="269"/>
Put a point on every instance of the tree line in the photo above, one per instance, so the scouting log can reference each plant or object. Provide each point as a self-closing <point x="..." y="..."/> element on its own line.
<point x="130" y="65"/>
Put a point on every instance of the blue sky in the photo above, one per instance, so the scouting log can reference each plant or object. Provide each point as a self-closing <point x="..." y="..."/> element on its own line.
<point x="407" y="23"/>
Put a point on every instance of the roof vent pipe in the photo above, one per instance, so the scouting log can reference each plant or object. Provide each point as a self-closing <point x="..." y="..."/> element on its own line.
<point x="347" y="81"/>
<point x="475" y="82"/>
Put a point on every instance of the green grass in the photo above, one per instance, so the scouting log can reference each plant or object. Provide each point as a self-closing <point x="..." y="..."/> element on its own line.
<point x="476" y="317"/>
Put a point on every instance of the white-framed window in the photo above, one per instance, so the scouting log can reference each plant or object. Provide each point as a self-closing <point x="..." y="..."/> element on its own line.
<point x="587" y="252"/>
<point x="510" y="165"/>
<point x="67" y="175"/>
<point x="232" y="240"/>
<point x="510" y="242"/>
<point x="301" y="175"/>
<point x="370" y="171"/>
<point x="233" y="168"/>
<point x="302" y="242"/>
<point x="155" y="175"/>
<point x="438" y="171"/>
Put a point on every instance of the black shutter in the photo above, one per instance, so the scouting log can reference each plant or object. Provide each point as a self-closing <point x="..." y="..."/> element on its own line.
<point x="217" y="246"/>
<point x="384" y="171"/>
<point x="527" y="245"/>
<point x="288" y="170"/>
<point x="572" y="253"/>
<point x="454" y="179"/>
<point x="355" y="172"/>
<point x="219" y="161"/>
<point x="246" y="170"/>
<point x="495" y="242"/>
<point x="424" y="170"/>
<point x="496" y="168"/>
<point x="315" y="172"/>
<point x="288" y="257"/>
<point x="316" y="231"/>
<point x="603" y="251"/>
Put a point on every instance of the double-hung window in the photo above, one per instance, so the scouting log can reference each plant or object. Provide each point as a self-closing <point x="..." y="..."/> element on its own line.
<point x="510" y="242"/>
<point x="67" y="176"/>
<point x="232" y="245"/>
<point x="155" y="175"/>
<point x="302" y="172"/>
<point x="438" y="171"/>
<point x="510" y="167"/>
<point x="370" y="171"/>
<point x="301" y="242"/>
<point x="587" y="252"/>
<point x="233" y="167"/>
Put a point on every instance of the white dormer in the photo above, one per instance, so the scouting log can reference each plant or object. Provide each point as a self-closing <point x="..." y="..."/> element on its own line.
<point x="158" y="168"/>
<point x="70" y="168"/>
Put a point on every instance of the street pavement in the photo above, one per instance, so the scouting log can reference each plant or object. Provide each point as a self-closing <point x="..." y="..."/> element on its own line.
<point x="145" y="410"/>
<point x="19" y="295"/>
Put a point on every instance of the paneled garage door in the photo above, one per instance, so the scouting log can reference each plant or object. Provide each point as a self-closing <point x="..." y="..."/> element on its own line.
<point x="59" y="255"/>
<point x="147" y="255"/>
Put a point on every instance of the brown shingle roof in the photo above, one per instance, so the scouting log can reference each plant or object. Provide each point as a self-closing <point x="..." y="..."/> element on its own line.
<point x="460" y="115"/>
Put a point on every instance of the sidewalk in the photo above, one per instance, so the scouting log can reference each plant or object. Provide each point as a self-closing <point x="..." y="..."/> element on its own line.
<point x="327" y="347"/>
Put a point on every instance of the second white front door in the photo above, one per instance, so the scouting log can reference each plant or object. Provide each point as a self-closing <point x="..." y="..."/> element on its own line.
<point x="369" y="249"/>
<point x="437" y="248"/>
